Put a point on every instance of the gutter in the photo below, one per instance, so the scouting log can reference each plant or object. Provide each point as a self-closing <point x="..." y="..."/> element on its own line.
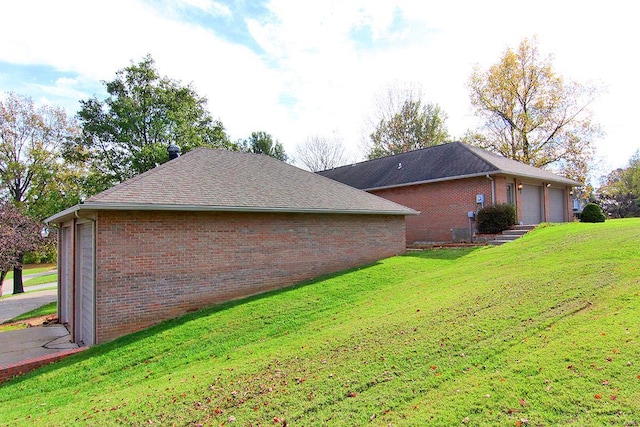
<point x="556" y="179"/>
<point x="97" y="206"/>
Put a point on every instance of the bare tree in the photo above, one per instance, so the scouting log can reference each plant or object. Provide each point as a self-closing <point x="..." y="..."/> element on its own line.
<point x="319" y="153"/>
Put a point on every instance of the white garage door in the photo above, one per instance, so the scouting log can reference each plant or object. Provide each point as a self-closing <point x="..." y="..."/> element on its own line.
<point x="531" y="204"/>
<point x="84" y="312"/>
<point x="557" y="205"/>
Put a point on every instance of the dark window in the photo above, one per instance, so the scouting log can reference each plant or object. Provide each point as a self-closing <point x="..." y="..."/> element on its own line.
<point x="510" y="198"/>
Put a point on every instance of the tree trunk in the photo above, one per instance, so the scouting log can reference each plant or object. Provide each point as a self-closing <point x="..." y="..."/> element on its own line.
<point x="3" y="274"/>
<point x="17" y="278"/>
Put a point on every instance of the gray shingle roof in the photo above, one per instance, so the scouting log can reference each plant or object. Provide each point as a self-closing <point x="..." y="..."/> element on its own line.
<point x="218" y="180"/>
<point x="438" y="163"/>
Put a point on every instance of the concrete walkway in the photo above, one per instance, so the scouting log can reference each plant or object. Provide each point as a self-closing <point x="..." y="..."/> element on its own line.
<point x="24" y="345"/>
<point x="7" y="285"/>
<point x="22" y="303"/>
<point x="22" y="350"/>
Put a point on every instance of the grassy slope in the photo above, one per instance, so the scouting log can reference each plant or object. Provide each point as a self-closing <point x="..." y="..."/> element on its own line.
<point x="542" y="331"/>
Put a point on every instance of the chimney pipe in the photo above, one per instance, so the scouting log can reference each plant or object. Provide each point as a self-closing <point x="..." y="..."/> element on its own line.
<point x="174" y="151"/>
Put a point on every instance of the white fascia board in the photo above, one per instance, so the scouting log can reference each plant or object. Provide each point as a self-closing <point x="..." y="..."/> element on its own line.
<point x="97" y="206"/>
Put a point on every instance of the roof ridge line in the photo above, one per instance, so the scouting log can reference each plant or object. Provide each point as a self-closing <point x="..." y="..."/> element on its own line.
<point x="389" y="155"/>
<point x="470" y="149"/>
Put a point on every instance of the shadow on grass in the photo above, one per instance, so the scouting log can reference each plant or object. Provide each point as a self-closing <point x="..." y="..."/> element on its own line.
<point x="443" y="253"/>
<point x="127" y="340"/>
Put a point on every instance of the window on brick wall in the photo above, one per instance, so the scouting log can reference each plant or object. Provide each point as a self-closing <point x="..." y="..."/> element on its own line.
<point x="510" y="198"/>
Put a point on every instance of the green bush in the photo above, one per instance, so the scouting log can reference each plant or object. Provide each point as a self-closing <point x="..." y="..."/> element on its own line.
<point x="592" y="213"/>
<point x="495" y="218"/>
<point x="47" y="255"/>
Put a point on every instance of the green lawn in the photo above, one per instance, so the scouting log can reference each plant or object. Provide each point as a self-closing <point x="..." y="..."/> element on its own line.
<point x="32" y="269"/>
<point x="544" y="331"/>
<point x="45" y="310"/>
<point x="39" y="280"/>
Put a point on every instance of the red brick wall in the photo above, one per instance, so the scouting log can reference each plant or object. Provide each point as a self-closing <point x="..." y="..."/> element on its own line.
<point x="443" y="206"/>
<point x="153" y="266"/>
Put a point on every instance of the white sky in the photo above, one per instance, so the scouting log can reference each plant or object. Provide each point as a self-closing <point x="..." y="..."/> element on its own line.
<point x="300" y="68"/>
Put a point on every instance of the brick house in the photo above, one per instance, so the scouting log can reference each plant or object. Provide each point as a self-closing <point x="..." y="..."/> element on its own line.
<point x="205" y="228"/>
<point x="446" y="182"/>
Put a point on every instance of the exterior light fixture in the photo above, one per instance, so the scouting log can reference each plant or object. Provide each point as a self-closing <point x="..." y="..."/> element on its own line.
<point x="520" y="188"/>
<point x="548" y="184"/>
<point x="44" y="233"/>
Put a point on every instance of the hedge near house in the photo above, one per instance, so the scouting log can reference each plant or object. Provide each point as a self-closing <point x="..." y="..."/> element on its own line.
<point x="496" y="218"/>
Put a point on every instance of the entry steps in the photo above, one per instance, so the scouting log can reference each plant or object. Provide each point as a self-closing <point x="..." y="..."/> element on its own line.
<point x="511" y="234"/>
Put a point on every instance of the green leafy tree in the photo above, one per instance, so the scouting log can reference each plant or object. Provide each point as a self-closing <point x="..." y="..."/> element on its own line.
<point x="30" y="142"/>
<point x="263" y="143"/>
<point x="30" y="164"/>
<point x="404" y="124"/>
<point x="533" y="115"/>
<point x="128" y="132"/>
<point x="619" y="196"/>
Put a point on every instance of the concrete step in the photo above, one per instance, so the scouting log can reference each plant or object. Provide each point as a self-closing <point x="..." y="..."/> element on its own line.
<point x="523" y="227"/>
<point x="518" y="233"/>
<point x="512" y="234"/>
<point x="509" y="237"/>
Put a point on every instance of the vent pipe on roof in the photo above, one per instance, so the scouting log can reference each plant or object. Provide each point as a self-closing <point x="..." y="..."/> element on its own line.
<point x="174" y="151"/>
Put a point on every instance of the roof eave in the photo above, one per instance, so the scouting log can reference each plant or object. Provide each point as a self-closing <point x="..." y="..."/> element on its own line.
<point x="97" y="206"/>
<point x="429" y="181"/>
<point x="559" y="179"/>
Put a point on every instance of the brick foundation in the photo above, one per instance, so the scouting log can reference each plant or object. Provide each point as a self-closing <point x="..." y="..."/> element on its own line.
<point x="9" y="371"/>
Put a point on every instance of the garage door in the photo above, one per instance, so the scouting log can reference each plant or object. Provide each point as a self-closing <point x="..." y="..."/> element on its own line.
<point x="84" y="310"/>
<point x="531" y="204"/>
<point x="66" y="285"/>
<point x="557" y="205"/>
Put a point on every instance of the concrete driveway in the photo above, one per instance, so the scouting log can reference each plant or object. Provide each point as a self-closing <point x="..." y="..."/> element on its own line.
<point x="24" y="349"/>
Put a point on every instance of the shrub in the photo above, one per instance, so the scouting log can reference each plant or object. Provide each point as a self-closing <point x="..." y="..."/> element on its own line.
<point x="592" y="213"/>
<point x="496" y="218"/>
<point x="45" y="255"/>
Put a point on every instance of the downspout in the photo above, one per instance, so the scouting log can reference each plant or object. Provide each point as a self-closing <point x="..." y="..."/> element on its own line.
<point x="493" y="189"/>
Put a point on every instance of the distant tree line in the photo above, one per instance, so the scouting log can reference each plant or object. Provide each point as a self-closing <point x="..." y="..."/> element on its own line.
<point x="619" y="196"/>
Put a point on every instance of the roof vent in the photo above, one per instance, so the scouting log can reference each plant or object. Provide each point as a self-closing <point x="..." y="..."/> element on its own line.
<point x="174" y="151"/>
<point x="399" y="165"/>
